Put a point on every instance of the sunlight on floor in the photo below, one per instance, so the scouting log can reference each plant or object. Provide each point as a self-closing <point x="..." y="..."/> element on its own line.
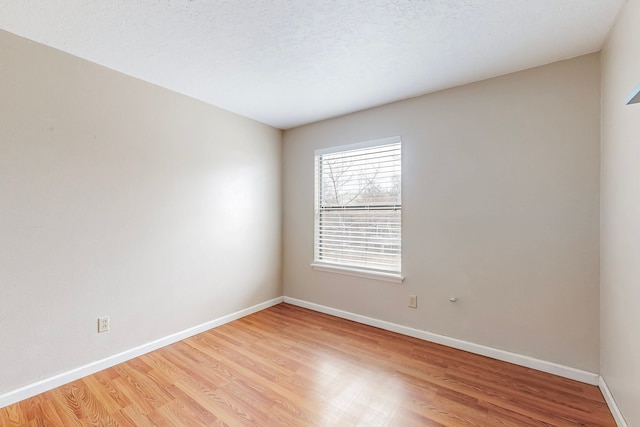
<point x="356" y="395"/>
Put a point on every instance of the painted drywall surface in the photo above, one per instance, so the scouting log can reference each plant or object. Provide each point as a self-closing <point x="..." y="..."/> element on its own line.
<point x="120" y="198"/>
<point x="620" y="224"/>
<point x="500" y="209"/>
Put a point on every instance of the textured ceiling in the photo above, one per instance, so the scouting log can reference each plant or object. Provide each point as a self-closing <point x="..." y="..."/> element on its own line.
<point x="291" y="62"/>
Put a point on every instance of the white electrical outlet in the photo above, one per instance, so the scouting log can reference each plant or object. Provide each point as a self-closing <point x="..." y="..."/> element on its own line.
<point x="103" y="324"/>
<point x="413" y="301"/>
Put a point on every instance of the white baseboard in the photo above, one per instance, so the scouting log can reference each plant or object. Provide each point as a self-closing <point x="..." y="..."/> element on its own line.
<point x="613" y="407"/>
<point x="91" y="368"/>
<point x="506" y="356"/>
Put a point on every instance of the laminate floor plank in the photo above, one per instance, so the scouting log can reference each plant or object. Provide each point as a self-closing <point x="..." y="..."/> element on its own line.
<point x="288" y="366"/>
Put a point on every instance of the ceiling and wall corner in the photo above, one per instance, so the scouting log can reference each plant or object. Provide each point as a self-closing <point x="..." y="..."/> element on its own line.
<point x="289" y="63"/>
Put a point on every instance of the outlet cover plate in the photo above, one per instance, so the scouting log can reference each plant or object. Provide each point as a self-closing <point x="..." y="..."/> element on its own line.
<point x="412" y="301"/>
<point x="103" y="324"/>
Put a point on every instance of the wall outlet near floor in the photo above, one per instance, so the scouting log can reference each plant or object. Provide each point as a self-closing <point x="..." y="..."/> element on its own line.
<point x="412" y="301"/>
<point x="103" y="324"/>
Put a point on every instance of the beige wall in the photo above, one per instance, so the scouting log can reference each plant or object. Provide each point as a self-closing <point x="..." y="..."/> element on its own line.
<point x="500" y="208"/>
<point x="620" y="224"/>
<point x="120" y="198"/>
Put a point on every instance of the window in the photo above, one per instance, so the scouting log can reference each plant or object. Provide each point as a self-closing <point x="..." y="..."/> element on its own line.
<point x="358" y="207"/>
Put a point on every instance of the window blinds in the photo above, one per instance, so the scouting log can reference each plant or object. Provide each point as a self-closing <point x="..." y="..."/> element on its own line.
<point x="358" y="206"/>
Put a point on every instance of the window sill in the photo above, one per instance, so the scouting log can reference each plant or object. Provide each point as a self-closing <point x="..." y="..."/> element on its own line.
<point x="352" y="271"/>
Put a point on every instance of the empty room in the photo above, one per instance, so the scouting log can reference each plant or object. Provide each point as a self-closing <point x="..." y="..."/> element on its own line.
<point x="319" y="213"/>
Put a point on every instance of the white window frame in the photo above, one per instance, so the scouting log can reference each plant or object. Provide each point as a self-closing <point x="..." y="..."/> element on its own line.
<point x="370" y="273"/>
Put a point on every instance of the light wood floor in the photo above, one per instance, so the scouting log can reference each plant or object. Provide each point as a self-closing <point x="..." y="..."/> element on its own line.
<point x="290" y="366"/>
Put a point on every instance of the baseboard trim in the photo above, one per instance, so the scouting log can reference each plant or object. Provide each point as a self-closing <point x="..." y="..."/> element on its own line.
<point x="611" y="403"/>
<point x="506" y="356"/>
<point x="91" y="368"/>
